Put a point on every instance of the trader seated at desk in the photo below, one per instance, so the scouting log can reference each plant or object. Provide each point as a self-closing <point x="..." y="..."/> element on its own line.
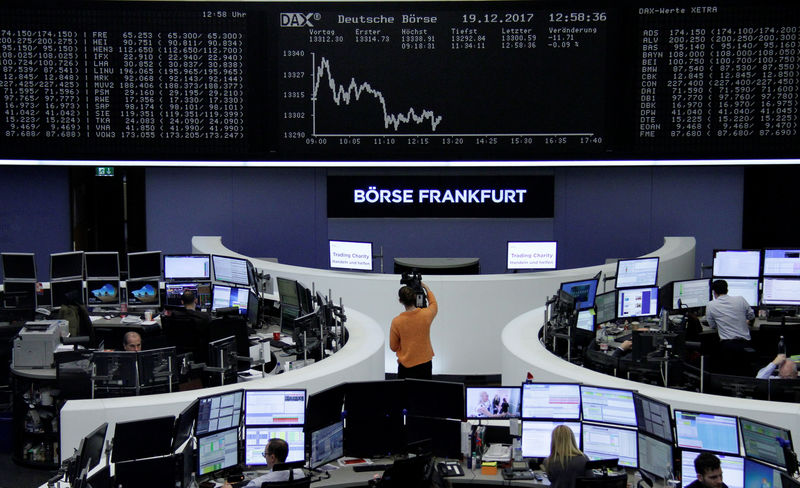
<point x="787" y="369"/>
<point x="276" y="452"/>
<point x="709" y="472"/>
<point x="189" y="309"/>
<point x="132" y="341"/>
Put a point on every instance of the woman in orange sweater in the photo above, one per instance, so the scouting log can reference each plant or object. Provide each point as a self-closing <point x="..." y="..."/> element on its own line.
<point x="410" y="335"/>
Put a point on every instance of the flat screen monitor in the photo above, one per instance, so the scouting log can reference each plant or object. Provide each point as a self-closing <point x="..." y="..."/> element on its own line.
<point x="493" y="402"/>
<point x="102" y="292"/>
<point x="252" y="309"/>
<point x="231" y="270"/>
<point x="551" y="401"/>
<point x="287" y="292"/>
<point x="216" y="452"/>
<point x="256" y="439"/>
<point x="144" y="265"/>
<point x="350" y="255"/>
<point x="781" y="262"/>
<point x="691" y="293"/>
<point x="92" y="448"/>
<point x="218" y="412"/>
<point x="156" y="365"/>
<point x="608" y="405"/>
<point x="187" y="267"/>
<point x="760" y="441"/>
<point x="583" y="291"/>
<point x="222" y="354"/>
<point x="325" y="407"/>
<point x="531" y="255"/>
<point x="101" y="265"/>
<point x="732" y="469"/>
<point x="655" y="456"/>
<point x="19" y="266"/>
<point x="275" y="407"/>
<point x="737" y="263"/>
<point x="230" y="296"/>
<point x="536" y="436"/>
<point x="119" y="368"/>
<point x="66" y="292"/>
<point x="653" y="417"/>
<point x="746" y="288"/>
<point x="19" y="295"/>
<point x="603" y="442"/>
<point x="141" y="439"/>
<point x="327" y="444"/>
<point x="143" y="293"/>
<point x="305" y="298"/>
<point x="66" y="266"/>
<point x="606" y="307"/>
<point x="637" y="302"/>
<point x="586" y="320"/>
<point x="781" y="291"/>
<point x="201" y="290"/>
<point x="637" y="273"/>
<point x="709" y="432"/>
<point x="184" y="425"/>
<point x="758" y="475"/>
<point x="449" y="395"/>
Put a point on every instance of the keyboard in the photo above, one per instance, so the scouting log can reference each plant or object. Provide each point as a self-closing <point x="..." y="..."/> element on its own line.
<point x="509" y="474"/>
<point x="279" y="344"/>
<point x="624" y="338"/>
<point x="358" y="468"/>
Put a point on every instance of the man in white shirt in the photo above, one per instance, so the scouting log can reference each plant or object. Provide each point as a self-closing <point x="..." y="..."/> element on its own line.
<point x="276" y="452"/>
<point x="731" y="316"/>
<point x="787" y="369"/>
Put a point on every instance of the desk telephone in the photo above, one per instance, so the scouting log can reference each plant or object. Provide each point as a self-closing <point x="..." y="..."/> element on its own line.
<point x="447" y="470"/>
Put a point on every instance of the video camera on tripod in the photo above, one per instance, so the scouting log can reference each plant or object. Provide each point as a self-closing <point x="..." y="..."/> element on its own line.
<point x="414" y="281"/>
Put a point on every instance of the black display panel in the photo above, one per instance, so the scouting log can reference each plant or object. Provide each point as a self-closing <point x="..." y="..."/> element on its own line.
<point x="396" y="81"/>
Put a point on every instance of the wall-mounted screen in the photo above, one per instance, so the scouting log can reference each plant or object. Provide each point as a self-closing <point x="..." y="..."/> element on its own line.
<point x="531" y="255"/>
<point x="350" y="255"/>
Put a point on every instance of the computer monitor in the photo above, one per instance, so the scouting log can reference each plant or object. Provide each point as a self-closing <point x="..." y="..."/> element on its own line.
<point x="551" y="401"/>
<point x="690" y="293"/>
<point x="224" y="296"/>
<point x="156" y="365"/>
<point x="256" y="439"/>
<point x="746" y="288"/>
<point x="231" y="270"/>
<point x="19" y="295"/>
<point x="637" y="302"/>
<point x="586" y="320"/>
<point x="706" y="431"/>
<point x="419" y="395"/>
<point x="275" y="407"/>
<point x="18" y="266"/>
<point x="218" y="451"/>
<point x="101" y="265"/>
<point x="327" y="444"/>
<point x="607" y="405"/>
<point x="325" y="407"/>
<point x="350" y="255"/>
<point x="732" y="469"/>
<point x="759" y="475"/>
<point x="252" y="309"/>
<point x="218" y="412"/>
<point x="536" y="436"/>
<point x="304" y="295"/>
<point x="583" y="291"/>
<point x="637" y="273"/>
<point x="66" y="292"/>
<point x="92" y="448"/>
<point x="288" y="315"/>
<point x="531" y="255"/>
<point x="781" y="291"/>
<point x="781" y="262"/>
<point x="143" y="293"/>
<point x="736" y="263"/>
<point x="184" y="425"/>
<point x="604" y="442"/>
<point x="653" y="417"/>
<point x="287" y="292"/>
<point x="493" y="402"/>
<point x="141" y="439"/>
<point x="760" y="441"/>
<point x="144" y="265"/>
<point x="102" y="292"/>
<point x="606" y="307"/>
<point x="655" y="456"/>
<point x="119" y="369"/>
<point x="222" y="353"/>
<point x="201" y="290"/>
<point x="66" y="266"/>
<point x="187" y="267"/>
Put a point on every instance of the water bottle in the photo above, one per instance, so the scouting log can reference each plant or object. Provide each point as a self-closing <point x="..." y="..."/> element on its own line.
<point x="781" y="346"/>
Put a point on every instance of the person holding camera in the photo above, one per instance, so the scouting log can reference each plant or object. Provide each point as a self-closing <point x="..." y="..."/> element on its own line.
<point x="410" y="335"/>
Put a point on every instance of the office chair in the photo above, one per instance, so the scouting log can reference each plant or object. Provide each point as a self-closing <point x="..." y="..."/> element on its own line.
<point x="616" y="481"/>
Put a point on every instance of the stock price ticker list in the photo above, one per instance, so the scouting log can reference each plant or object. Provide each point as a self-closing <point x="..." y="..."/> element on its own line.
<point x="478" y="80"/>
<point x="123" y="79"/>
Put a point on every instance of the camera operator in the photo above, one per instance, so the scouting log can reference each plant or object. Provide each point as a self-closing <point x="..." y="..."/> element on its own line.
<point x="410" y="335"/>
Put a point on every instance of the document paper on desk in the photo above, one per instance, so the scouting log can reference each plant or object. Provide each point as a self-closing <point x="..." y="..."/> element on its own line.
<point x="497" y="452"/>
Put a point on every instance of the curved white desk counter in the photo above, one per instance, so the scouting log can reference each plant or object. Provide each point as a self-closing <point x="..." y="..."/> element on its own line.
<point x="522" y="352"/>
<point x="472" y="309"/>
<point x="361" y="359"/>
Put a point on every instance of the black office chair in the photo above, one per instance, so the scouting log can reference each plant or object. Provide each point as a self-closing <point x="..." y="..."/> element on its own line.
<point x="615" y="481"/>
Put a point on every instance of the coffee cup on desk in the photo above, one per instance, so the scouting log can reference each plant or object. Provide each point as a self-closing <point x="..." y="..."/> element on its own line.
<point x="148" y="315"/>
